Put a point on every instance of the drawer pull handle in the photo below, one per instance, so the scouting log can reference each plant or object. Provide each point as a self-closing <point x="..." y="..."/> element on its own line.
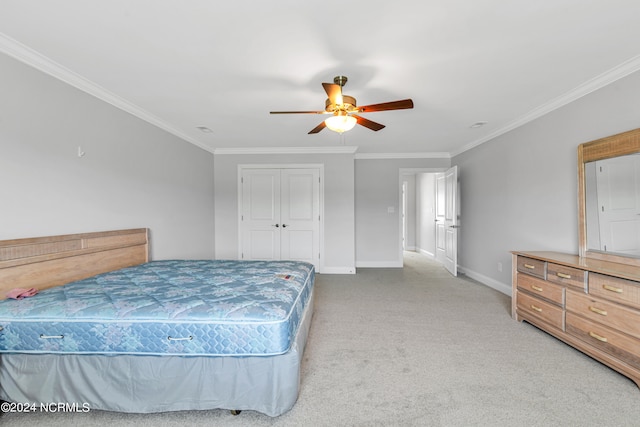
<point x="597" y="310"/>
<point x="529" y="266"/>
<point x="596" y="336"/>
<point x="537" y="288"/>
<point x="563" y="276"/>
<point x="536" y="308"/>
<point x="612" y="289"/>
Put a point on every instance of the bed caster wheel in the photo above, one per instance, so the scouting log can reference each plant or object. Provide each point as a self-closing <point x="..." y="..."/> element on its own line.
<point x="235" y="412"/>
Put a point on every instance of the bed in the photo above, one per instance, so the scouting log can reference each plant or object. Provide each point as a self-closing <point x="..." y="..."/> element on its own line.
<point x="111" y="330"/>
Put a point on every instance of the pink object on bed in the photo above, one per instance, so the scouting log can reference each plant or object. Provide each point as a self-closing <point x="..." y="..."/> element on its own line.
<point x="19" y="293"/>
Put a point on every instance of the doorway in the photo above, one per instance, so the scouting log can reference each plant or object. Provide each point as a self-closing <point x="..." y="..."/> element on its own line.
<point x="429" y="217"/>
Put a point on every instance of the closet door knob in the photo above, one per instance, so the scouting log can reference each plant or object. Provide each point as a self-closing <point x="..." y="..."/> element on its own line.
<point x="284" y="225"/>
<point x="276" y="225"/>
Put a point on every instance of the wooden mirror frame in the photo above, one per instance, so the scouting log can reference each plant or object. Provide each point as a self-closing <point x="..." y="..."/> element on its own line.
<point x="604" y="148"/>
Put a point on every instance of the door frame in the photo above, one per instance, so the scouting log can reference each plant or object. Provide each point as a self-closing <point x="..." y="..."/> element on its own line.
<point x="404" y="172"/>
<point x="403" y="214"/>
<point x="319" y="166"/>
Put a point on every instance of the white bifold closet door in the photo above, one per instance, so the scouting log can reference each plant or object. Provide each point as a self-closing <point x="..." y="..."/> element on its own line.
<point x="280" y="214"/>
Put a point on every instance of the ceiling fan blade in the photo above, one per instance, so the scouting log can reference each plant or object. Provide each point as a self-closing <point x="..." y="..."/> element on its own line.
<point x="368" y="123"/>
<point x="334" y="92"/>
<point x="318" y="128"/>
<point x="386" y="106"/>
<point x="297" y="112"/>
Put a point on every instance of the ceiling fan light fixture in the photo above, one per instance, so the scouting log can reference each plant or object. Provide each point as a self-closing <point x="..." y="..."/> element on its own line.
<point x="340" y="123"/>
<point x="343" y="109"/>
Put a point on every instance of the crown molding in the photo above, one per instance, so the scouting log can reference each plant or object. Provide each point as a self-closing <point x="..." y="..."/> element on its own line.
<point x="387" y="156"/>
<point x="42" y="63"/>
<point x="616" y="73"/>
<point x="25" y="54"/>
<point x="286" y="150"/>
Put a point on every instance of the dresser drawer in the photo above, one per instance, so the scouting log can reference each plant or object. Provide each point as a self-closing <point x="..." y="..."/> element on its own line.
<point x="531" y="266"/>
<point x="566" y="276"/>
<point x="615" y="289"/>
<point x="621" y="346"/>
<point x="541" y="288"/>
<point x="607" y="313"/>
<point x="540" y="309"/>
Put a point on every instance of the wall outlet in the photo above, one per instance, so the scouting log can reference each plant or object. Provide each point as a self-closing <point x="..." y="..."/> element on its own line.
<point x="500" y="267"/>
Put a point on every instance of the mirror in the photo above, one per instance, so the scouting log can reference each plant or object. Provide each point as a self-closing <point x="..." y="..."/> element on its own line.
<point x="609" y="198"/>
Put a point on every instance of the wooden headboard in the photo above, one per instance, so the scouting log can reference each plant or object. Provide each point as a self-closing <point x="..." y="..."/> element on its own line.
<point x="44" y="262"/>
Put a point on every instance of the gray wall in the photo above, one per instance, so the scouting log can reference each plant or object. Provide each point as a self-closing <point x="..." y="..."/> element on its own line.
<point x="131" y="175"/>
<point x="519" y="191"/>
<point x="339" y="245"/>
<point x="377" y="190"/>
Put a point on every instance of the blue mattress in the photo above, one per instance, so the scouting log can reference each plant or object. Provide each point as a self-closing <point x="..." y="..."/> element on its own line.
<point x="175" y="307"/>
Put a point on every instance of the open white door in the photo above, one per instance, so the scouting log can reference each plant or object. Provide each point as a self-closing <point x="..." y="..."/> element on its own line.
<point x="447" y="219"/>
<point x="451" y="220"/>
<point x="440" y="215"/>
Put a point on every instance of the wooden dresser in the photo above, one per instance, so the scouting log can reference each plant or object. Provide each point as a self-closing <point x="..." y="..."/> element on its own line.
<point x="591" y="304"/>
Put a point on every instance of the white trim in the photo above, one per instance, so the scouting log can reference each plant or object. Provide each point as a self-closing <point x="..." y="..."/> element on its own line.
<point x="616" y="73"/>
<point x="426" y="253"/>
<point x="413" y="171"/>
<point x="338" y="270"/>
<point x="379" y="264"/>
<point x="40" y="62"/>
<point x="321" y="269"/>
<point x="279" y="166"/>
<point x="384" y="156"/>
<point x="285" y="150"/>
<point x="487" y="281"/>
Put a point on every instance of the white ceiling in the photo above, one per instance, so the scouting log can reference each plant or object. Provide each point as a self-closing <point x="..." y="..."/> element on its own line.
<point x="225" y="65"/>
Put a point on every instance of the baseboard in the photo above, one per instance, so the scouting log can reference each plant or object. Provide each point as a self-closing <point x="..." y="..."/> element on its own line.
<point x="379" y="264"/>
<point x="338" y="270"/>
<point x="488" y="281"/>
<point x="426" y="253"/>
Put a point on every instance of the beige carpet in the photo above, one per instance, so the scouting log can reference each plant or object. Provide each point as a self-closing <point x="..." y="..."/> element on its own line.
<point x="417" y="347"/>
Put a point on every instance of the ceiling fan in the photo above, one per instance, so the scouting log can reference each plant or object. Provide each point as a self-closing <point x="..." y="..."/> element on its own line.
<point x="343" y="108"/>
